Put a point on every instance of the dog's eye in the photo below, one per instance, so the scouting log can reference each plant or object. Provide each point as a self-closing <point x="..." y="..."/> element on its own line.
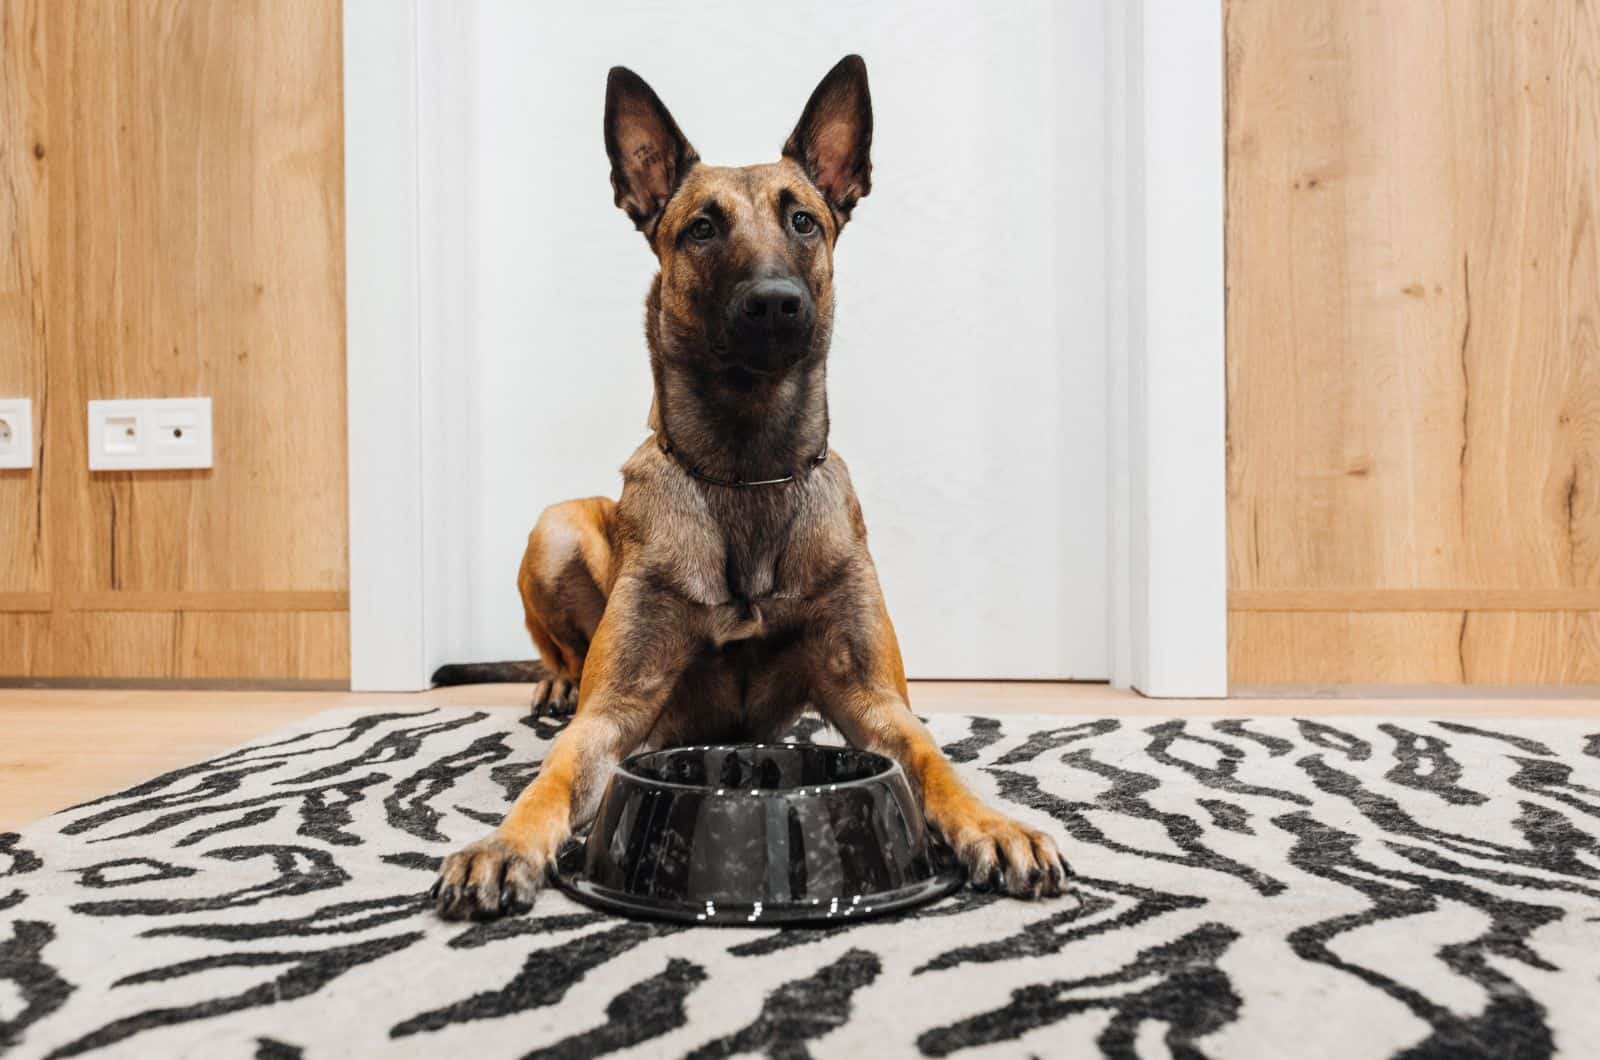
<point x="702" y="230"/>
<point x="803" y="222"/>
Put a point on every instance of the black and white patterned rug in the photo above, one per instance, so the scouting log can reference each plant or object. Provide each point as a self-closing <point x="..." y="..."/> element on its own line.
<point x="1260" y="888"/>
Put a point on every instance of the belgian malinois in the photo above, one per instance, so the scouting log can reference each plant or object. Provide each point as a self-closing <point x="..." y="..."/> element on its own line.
<point x="730" y="587"/>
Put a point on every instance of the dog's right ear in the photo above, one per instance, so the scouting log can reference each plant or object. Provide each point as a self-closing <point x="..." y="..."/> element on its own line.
<point x="649" y="156"/>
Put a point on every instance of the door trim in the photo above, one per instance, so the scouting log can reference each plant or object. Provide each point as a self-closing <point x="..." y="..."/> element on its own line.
<point x="1168" y="551"/>
<point x="408" y="104"/>
<point x="383" y="298"/>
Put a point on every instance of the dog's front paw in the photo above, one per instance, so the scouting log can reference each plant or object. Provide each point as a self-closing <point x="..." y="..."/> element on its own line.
<point x="1003" y="855"/>
<point x="489" y="878"/>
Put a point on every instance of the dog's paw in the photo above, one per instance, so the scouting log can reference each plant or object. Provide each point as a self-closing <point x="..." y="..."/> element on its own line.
<point x="1002" y="855"/>
<point x="487" y="879"/>
<point x="556" y="697"/>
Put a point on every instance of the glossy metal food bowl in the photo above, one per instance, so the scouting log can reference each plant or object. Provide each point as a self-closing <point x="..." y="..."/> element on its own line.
<point x="758" y="834"/>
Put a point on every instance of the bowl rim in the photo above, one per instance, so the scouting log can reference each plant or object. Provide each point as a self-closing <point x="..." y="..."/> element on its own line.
<point x="947" y="877"/>
<point x="888" y="769"/>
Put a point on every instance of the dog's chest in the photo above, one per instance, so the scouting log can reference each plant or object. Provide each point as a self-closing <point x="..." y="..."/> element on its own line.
<point x="750" y="565"/>
<point x="760" y="557"/>
<point x="752" y="589"/>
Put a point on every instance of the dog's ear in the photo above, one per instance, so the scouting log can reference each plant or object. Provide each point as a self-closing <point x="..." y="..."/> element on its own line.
<point x="649" y="156"/>
<point x="833" y="141"/>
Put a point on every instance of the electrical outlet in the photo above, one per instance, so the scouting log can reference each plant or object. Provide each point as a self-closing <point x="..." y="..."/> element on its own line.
<point x="150" y="434"/>
<point x="16" y="432"/>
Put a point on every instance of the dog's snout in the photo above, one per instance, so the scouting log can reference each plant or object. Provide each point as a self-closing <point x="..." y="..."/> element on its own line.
<point x="770" y="308"/>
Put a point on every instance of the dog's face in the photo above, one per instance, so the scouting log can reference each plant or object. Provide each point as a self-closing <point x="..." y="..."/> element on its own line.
<point x="746" y="253"/>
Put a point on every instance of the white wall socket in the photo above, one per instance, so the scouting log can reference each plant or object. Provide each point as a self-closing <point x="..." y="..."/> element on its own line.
<point x="16" y="432"/>
<point x="149" y="434"/>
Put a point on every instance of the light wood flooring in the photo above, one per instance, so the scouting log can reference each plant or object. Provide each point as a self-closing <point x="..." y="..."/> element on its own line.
<point x="62" y="746"/>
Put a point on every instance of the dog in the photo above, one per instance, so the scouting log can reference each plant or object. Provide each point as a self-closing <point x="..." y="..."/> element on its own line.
<point x="730" y="587"/>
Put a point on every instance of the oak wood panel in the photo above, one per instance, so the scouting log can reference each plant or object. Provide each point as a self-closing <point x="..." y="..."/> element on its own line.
<point x="300" y="645"/>
<point x="1413" y="332"/>
<point x="24" y="254"/>
<point x="182" y="644"/>
<point x="197" y="234"/>
<point x="24" y="643"/>
<point x="287" y="600"/>
<point x="1414" y="599"/>
<point x="1417" y="648"/>
<point x="171" y="223"/>
<point x="24" y="602"/>
<point x="117" y="644"/>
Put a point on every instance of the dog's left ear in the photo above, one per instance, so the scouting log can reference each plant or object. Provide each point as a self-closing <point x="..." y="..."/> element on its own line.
<point x="649" y="155"/>
<point x="833" y="141"/>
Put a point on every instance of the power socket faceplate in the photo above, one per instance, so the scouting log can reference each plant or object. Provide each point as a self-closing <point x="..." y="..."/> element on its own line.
<point x="150" y="434"/>
<point x="16" y="432"/>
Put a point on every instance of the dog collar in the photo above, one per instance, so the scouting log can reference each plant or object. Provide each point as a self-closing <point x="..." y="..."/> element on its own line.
<point x="665" y="443"/>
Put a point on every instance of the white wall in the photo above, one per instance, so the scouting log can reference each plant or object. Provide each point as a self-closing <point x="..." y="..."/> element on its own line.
<point x="968" y="373"/>
<point x="423" y="493"/>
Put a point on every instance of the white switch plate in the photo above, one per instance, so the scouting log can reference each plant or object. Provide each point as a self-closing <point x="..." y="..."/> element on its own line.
<point x="150" y="434"/>
<point x="16" y="432"/>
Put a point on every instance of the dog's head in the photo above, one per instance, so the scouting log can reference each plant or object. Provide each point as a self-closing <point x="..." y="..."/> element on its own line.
<point x="746" y="253"/>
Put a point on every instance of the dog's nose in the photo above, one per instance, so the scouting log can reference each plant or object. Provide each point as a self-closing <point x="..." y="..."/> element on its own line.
<point x="769" y="308"/>
<point x="772" y="299"/>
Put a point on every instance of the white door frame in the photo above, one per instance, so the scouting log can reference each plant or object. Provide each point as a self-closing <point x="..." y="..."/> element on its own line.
<point x="407" y="123"/>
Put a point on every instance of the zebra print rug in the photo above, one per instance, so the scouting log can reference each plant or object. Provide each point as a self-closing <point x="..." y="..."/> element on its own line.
<point x="1245" y="888"/>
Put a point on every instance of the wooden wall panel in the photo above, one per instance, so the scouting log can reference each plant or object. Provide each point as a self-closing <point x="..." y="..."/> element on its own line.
<point x="1413" y="337"/>
<point x="188" y="184"/>
<point x="211" y="264"/>
<point x="24" y="251"/>
<point x="199" y="645"/>
<point x="1415" y="648"/>
<point x="312" y="645"/>
<point x="137" y="644"/>
<point x="24" y="643"/>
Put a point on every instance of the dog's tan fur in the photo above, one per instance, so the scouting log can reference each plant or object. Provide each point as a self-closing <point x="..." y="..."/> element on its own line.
<point x="693" y="612"/>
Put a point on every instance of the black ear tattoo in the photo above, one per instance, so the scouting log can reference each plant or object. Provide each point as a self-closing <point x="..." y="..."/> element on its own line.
<point x="649" y="155"/>
<point x="833" y="141"/>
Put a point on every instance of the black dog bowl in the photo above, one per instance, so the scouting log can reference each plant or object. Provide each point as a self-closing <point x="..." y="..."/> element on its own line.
<point x="762" y="834"/>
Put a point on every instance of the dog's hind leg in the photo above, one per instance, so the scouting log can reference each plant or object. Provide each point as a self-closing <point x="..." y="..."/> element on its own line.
<point x="564" y="581"/>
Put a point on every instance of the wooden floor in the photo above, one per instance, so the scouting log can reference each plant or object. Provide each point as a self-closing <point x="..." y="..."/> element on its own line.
<point x="59" y="747"/>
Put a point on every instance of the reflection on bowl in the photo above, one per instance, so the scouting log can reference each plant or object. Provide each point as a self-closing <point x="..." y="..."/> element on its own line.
<point x="764" y="833"/>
